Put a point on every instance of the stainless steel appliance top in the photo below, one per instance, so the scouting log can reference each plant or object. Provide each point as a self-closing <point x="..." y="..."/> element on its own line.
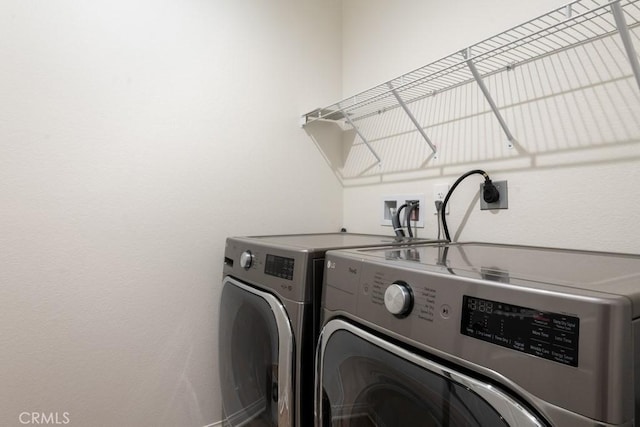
<point x="322" y="242"/>
<point x="613" y="273"/>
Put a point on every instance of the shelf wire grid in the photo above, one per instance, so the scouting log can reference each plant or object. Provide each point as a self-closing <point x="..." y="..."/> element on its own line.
<point x="574" y="24"/>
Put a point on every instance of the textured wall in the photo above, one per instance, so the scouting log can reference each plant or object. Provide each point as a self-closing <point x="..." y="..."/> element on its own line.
<point x="134" y="137"/>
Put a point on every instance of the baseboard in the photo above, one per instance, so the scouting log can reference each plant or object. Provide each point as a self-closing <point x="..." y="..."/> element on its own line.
<point x="218" y="424"/>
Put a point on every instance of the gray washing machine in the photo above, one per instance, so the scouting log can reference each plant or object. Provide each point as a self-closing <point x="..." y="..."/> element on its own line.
<point x="479" y="335"/>
<point x="269" y="323"/>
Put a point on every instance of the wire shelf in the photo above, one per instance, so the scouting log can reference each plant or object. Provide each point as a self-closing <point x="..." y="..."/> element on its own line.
<point x="577" y="23"/>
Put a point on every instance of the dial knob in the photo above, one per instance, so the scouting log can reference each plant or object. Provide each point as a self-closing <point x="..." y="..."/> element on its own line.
<point x="398" y="299"/>
<point x="246" y="259"/>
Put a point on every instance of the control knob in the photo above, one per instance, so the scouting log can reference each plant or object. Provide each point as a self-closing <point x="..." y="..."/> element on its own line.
<point x="398" y="299"/>
<point x="246" y="260"/>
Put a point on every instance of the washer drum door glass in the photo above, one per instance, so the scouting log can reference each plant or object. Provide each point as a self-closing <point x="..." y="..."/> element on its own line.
<point x="249" y="358"/>
<point x="365" y="385"/>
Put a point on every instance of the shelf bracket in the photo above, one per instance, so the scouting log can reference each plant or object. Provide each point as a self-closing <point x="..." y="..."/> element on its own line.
<point x="412" y="118"/>
<point x="623" y="30"/>
<point x="568" y="11"/>
<point x="355" y="128"/>
<point x="476" y="75"/>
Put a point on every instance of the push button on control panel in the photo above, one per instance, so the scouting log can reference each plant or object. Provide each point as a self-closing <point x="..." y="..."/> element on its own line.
<point x="445" y="311"/>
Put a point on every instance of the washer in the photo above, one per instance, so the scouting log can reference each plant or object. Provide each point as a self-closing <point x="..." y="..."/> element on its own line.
<point x="269" y="323"/>
<point x="479" y="334"/>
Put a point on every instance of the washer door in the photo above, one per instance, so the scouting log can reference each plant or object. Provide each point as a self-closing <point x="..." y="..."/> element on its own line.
<point x="256" y="354"/>
<point x="366" y="381"/>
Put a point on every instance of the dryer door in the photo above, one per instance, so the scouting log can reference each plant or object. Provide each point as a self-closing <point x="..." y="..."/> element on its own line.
<point x="256" y="357"/>
<point x="366" y="381"/>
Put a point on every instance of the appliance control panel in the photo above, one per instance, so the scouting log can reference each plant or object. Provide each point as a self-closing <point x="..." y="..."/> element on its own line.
<point x="552" y="336"/>
<point x="279" y="266"/>
<point x="460" y="315"/>
<point x="281" y="271"/>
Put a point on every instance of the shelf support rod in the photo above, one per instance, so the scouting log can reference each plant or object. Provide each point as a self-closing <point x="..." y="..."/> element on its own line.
<point x="476" y="75"/>
<point x="623" y="30"/>
<point x="355" y="128"/>
<point x="412" y="117"/>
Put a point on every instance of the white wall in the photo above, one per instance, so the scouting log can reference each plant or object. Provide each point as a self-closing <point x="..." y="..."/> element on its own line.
<point x="577" y="186"/>
<point x="134" y="137"/>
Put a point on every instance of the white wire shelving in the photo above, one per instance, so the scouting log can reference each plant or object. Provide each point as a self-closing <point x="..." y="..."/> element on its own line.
<point x="577" y="23"/>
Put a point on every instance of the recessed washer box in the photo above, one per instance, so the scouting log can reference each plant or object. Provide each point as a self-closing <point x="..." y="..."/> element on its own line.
<point x="389" y="204"/>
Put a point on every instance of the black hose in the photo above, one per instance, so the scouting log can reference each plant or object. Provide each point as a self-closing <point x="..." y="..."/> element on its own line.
<point x="407" y="218"/>
<point x="443" y="209"/>
<point x="395" y="221"/>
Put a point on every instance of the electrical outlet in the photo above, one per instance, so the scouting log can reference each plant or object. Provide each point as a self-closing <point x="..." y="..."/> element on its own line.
<point x="439" y="193"/>
<point x="502" y="203"/>
<point x="391" y="203"/>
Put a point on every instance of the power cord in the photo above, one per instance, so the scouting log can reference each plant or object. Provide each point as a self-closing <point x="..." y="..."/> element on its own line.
<point x="490" y="194"/>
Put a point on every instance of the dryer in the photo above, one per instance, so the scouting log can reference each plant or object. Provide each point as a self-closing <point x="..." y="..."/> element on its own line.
<point x="479" y="334"/>
<point x="269" y="323"/>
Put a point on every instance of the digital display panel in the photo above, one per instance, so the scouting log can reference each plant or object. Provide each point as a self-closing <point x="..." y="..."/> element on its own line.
<point x="552" y="336"/>
<point x="279" y="267"/>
